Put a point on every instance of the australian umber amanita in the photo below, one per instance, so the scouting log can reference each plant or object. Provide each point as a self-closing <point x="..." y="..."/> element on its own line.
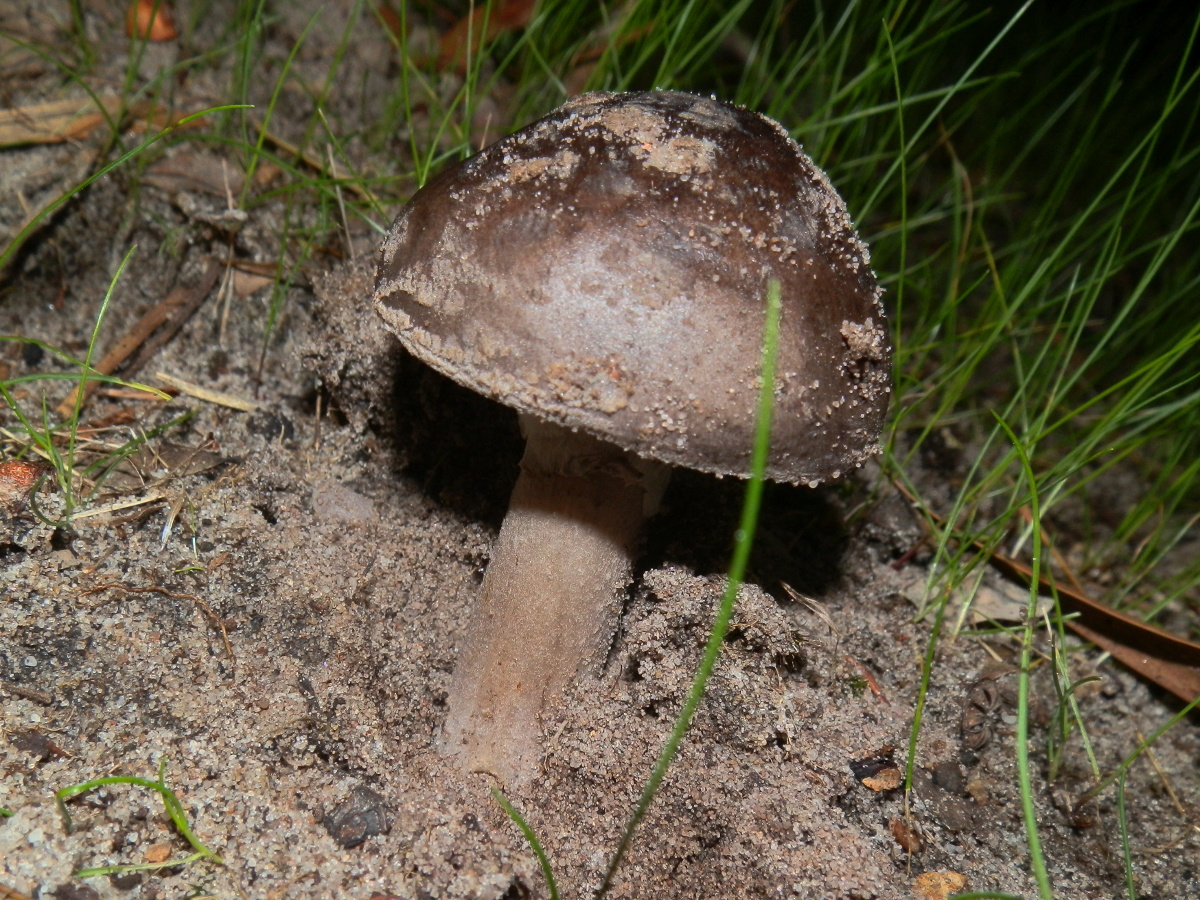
<point x="603" y="271"/>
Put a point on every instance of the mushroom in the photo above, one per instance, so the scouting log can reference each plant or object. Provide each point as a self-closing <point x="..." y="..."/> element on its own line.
<point x="603" y="271"/>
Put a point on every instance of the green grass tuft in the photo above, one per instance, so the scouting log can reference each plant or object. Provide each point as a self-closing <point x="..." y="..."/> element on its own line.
<point x="171" y="805"/>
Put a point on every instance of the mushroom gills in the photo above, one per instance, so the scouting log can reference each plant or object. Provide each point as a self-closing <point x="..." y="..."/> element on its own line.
<point x="551" y="594"/>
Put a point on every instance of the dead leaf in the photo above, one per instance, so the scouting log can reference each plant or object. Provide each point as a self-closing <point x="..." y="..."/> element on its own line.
<point x="120" y="417"/>
<point x="481" y="26"/>
<point x="990" y="600"/>
<point x="877" y="771"/>
<point x="150" y="20"/>
<point x="1169" y="661"/>
<point x="54" y="121"/>
<point x="1179" y="678"/>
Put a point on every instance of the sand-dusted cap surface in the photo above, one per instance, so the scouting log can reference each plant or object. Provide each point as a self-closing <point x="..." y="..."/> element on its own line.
<point x="605" y="268"/>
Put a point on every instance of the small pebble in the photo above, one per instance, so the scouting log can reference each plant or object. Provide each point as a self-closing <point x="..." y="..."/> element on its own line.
<point x="360" y="816"/>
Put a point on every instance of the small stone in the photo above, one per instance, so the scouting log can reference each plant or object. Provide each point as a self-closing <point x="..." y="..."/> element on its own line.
<point x="157" y="853"/>
<point x="907" y="836"/>
<point x="884" y="780"/>
<point x="877" y="771"/>
<point x="360" y="816"/>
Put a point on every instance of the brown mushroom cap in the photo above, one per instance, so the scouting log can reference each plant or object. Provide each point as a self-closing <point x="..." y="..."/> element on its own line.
<point x="606" y="269"/>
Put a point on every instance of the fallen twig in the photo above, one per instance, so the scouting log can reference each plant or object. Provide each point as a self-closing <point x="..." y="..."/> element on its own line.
<point x="119" y="505"/>
<point x="27" y="694"/>
<point x="202" y="393"/>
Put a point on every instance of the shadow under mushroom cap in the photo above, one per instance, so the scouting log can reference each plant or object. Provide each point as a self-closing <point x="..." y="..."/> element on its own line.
<point x="606" y="268"/>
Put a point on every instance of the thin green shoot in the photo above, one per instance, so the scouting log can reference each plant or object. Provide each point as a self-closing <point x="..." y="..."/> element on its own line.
<point x="902" y="159"/>
<point x="936" y="112"/>
<point x="79" y="34"/>
<point x="1123" y="827"/>
<point x="43" y="438"/>
<point x="171" y="805"/>
<point x="249" y="27"/>
<point x="927" y="662"/>
<point x="94" y="375"/>
<point x="281" y="282"/>
<point x="531" y="836"/>
<point x="257" y="147"/>
<point x="138" y="43"/>
<point x="1037" y="860"/>
<point x="81" y="388"/>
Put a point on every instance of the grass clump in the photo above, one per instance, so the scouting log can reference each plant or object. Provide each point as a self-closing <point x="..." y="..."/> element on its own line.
<point x="171" y="806"/>
<point x="57" y="442"/>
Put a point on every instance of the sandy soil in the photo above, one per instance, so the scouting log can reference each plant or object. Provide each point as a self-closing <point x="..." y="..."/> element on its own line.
<point x="281" y="625"/>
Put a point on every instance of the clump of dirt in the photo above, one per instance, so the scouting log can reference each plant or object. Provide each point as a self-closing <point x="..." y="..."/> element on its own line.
<point x="280" y="625"/>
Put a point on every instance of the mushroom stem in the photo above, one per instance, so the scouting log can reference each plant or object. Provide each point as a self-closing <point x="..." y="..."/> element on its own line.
<point x="551" y="595"/>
